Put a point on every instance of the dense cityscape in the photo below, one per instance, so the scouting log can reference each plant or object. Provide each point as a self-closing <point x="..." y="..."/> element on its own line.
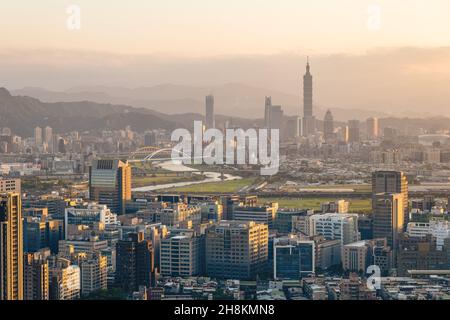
<point x="357" y="211"/>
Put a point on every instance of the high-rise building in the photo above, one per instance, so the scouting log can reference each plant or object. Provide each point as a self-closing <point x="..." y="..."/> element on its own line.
<point x="309" y="121"/>
<point x="267" y="111"/>
<point x="134" y="262"/>
<point x="48" y="138"/>
<point x="356" y="256"/>
<point x="236" y="250"/>
<point x="354" y="131"/>
<point x="392" y="182"/>
<point x="65" y="279"/>
<point x="11" y="247"/>
<point x="36" y="275"/>
<point x="293" y="258"/>
<point x="10" y="185"/>
<point x="38" y="136"/>
<point x="182" y="255"/>
<point x="420" y="253"/>
<point x="273" y="115"/>
<point x="88" y="216"/>
<point x="388" y="217"/>
<point x="110" y="184"/>
<point x="328" y="127"/>
<point x="261" y="214"/>
<point x="336" y="226"/>
<point x="372" y="128"/>
<point x="94" y="272"/>
<point x="209" y="112"/>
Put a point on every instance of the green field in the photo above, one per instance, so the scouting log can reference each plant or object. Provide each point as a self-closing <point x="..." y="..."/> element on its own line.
<point x="215" y="187"/>
<point x="356" y="205"/>
<point x="163" y="178"/>
<point x="356" y="187"/>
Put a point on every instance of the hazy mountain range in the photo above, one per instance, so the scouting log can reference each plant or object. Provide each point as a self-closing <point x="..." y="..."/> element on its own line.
<point x="231" y="100"/>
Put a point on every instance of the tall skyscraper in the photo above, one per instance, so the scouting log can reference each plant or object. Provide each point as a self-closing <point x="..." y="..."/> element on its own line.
<point x="236" y="249"/>
<point x="209" y="112"/>
<point x="267" y="111"/>
<point x="48" y="138"/>
<point x="372" y="128"/>
<point x="11" y="247"/>
<point x="392" y="182"/>
<point x="38" y="136"/>
<point x="328" y="127"/>
<point x="309" y="121"/>
<point x="110" y="184"/>
<point x="273" y="115"/>
<point x="354" y="131"/>
<point x="134" y="262"/>
<point x="388" y="217"/>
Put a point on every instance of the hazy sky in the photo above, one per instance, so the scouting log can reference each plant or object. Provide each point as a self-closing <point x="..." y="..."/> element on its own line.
<point x="223" y="27"/>
<point x="367" y="54"/>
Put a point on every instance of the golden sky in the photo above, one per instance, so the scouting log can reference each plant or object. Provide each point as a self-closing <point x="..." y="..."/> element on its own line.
<point x="225" y="27"/>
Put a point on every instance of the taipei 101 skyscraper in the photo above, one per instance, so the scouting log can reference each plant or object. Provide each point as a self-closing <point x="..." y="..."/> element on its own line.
<point x="309" y="121"/>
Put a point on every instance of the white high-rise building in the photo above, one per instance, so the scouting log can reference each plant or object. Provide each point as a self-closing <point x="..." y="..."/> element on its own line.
<point x="336" y="226"/>
<point x="438" y="229"/>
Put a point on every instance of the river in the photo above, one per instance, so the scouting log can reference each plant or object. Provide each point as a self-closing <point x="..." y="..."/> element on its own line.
<point x="179" y="167"/>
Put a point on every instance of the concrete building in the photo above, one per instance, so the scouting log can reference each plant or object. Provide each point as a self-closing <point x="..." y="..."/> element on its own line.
<point x="438" y="229"/>
<point x="336" y="226"/>
<point x="391" y="182"/>
<point x="36" y="276"/>
<point x="134" y="262"/>
<point x="236" y="249"/>
<point x="65" y="279"/>
<point x="339" y="206"/>
<point x="177" y="213"/>
<point x="10" y="185"/>
<point x="182" y="255"/>
<point x="94" y="272"/>
<point x="294" y="258"/>
<point x="88" y="216"/>
<point x="110" y="184"/>
<point x="372" y="128"/>
<point x="420" y="253"/>
<point x="388" y="217"/>
<point x="261" y="214"/>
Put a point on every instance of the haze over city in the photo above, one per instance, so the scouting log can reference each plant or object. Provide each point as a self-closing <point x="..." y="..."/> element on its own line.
<point x="393" y="57"/>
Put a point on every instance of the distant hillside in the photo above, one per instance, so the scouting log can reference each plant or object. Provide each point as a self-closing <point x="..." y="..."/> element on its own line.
<point x="232" y="100"/>
<point x="22" y="114"/>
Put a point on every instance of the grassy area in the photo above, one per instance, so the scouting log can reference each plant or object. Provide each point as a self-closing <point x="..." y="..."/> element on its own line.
<point x="163" y="179"/>
<point x="215" y="187"/>
<point x="356" y="187"/>
<point x="356" y="205"/>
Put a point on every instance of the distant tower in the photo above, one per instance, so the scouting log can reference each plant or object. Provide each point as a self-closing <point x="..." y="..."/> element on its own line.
<point x="328" y="126"/>
<point x="209" y="112"/>
<point x="353" y="131"/>
<point x="49" y="138"/>
<point x="309" y="122"/>
<point x="267" y="111"/>
<point x="372" y="128"/>
<point x="38" y="136"/>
